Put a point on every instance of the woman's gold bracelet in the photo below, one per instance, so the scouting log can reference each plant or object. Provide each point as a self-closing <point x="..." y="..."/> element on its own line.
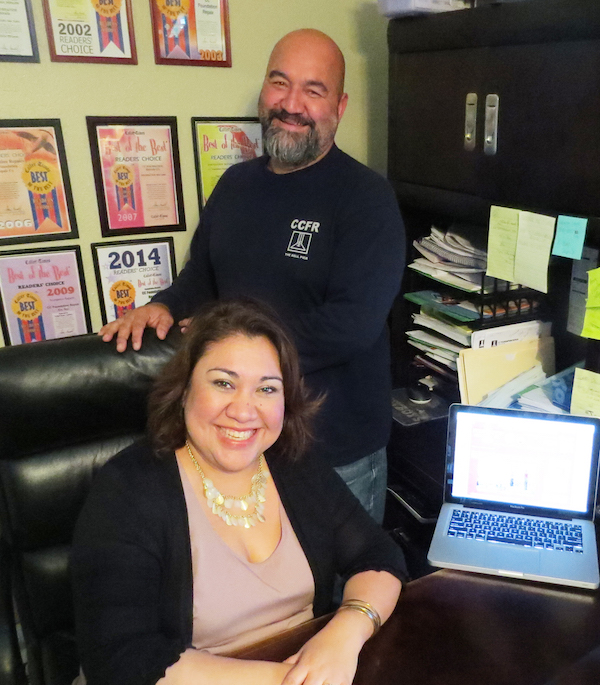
<point x="364" y="608"/>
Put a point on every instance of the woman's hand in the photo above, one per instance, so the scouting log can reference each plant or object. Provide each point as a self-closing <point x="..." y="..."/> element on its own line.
<point x="331" y="656"/>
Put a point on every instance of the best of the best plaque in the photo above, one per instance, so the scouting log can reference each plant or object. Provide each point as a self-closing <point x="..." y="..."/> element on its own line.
<point x="35" y="193"/>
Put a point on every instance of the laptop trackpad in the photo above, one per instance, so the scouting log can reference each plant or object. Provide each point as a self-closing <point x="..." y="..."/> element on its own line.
<point x="519" y="560"/>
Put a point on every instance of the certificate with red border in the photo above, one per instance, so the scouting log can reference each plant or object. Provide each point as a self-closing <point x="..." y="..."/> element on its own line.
<point x="138" y="179"/>
<point x="35" y="193"/>
<point x="90" y="31"/>
<point x="43" y="295"/>
<point x="191" y="32"/>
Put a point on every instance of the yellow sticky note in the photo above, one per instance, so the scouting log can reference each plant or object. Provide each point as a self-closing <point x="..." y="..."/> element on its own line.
<point x="591" y="323"/>
<point x="593" y="298"/>
<point x="502" y="242"/>
<point x="585" y="400"/>
<point x="534" y="243"/>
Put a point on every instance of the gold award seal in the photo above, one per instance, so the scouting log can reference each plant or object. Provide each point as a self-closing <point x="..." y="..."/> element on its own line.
<point x="122" y="175"/>
<point x="122" y="293"/>
<point x="27" y="306"/>
<point x="39" y="176"/>
<point x="107" y="8"/>
<point x="173" y="8"/>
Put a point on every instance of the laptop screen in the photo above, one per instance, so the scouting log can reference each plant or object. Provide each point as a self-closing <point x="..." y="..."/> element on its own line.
<point x="522" y="461"/>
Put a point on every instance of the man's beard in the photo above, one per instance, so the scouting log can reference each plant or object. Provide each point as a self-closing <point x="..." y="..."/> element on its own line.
<point x="292" y="148"/>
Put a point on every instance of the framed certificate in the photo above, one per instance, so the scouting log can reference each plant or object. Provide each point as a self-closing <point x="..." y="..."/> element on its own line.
<point x="42" y="295"/>
<point x="130" y="273"/>
<point x="191" y="32"/>
<point x="221" y="143"/>
<point x="35" y="193"/>
<point x="90" y="31"/>
<point x="18" y="42"/>
<point x="137" y="173"/>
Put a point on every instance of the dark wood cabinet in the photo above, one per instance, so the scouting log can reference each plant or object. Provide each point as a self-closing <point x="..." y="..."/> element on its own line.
<point x="542" y="59"/>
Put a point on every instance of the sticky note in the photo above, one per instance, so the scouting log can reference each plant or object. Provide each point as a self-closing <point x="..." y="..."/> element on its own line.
<point x="502" y="242"/>
<point x="585" y="400"/>
<point x="593" y="292"/>
<point x="570" y="236"/>
<point x="534" y="242"/>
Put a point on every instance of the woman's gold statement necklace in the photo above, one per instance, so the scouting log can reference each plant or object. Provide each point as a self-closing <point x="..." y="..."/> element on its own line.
<point x="224" y="505"/>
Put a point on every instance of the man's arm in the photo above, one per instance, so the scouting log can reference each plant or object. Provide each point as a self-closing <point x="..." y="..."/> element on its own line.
<point x="365" y="277"/>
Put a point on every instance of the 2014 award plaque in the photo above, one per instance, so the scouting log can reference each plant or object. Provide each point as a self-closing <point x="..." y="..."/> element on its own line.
<point x="129" y="273"/>
<point x="137" y="172"/>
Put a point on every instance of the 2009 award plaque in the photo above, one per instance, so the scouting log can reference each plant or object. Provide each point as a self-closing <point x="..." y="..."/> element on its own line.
<point x="42" y="295"/>
<point x="90" y="31"/>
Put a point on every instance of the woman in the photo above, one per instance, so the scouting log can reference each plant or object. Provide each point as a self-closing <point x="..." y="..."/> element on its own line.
<point x="196" y="544"/>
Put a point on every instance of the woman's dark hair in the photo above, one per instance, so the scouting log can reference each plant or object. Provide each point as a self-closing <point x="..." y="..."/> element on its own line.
<point x="214" y="323"/>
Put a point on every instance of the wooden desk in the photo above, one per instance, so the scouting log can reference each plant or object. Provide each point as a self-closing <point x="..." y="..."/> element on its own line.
<point x="454" y="628"/>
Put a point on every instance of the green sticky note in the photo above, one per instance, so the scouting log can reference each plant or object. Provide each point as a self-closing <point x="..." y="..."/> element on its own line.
<point x="585" y="400"/>
<point x="593" y="293"/>
<point x="533" y="250"/>
<point x="591" y="323"/>
<point x="570" y="236"/>
<point x="502" y="242"/>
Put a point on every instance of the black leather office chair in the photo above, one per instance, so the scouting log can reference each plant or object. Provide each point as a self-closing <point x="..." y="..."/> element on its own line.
<point x="66" y="407"/>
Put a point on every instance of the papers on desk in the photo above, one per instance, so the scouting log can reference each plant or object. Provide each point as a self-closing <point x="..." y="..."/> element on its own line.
<point x="552" y="395"/>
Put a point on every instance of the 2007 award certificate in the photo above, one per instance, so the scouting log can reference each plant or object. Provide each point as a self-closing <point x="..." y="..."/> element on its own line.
<point x="35" y="194"/>
<point x="42" y="294"/>
<point x="90" y="31"/>
<point x="138" y="181"/>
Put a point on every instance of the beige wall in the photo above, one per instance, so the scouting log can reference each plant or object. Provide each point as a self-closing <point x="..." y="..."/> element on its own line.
<point x="70" y="92"/>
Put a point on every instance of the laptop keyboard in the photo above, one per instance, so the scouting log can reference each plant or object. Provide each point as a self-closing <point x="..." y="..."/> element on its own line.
<point x="516" y="530"/>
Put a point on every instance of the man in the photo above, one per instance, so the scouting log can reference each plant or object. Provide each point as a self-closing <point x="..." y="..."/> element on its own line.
<point x="318" y="236"/>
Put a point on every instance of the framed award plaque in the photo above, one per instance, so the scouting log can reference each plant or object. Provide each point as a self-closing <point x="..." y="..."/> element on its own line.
<point x="42" y="294"/>
<point x="137" y="173"/>
<point x="191" y="32"/>
<point x="90" y="31"/>
<point x="35" y="194"/>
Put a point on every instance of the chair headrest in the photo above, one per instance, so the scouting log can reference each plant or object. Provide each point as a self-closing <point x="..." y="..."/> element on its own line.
<point x="63" y="391"/>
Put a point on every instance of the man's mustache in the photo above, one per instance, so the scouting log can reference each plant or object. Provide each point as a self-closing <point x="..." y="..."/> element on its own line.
<point x="288" y="118"/>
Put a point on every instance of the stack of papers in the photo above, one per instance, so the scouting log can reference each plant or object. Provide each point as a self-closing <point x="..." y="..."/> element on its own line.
<point x="451" y="258"/>
<point x="552" y="395"/>
<point x="482" y="371"/>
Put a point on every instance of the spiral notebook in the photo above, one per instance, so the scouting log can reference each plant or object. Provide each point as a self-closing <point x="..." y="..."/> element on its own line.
<point x="520" y="496"/>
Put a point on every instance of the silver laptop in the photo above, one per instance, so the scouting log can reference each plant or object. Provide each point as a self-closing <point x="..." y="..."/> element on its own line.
<point x="520" y="496"/>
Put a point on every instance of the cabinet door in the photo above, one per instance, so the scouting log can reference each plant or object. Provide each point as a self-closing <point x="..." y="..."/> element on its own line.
<point x="427" y="97"/>
<point x="542" y="58"/>
<point x="548" y="152"/>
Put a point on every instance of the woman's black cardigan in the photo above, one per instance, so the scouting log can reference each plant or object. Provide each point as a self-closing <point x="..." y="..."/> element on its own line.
<point x="131" y="559"/>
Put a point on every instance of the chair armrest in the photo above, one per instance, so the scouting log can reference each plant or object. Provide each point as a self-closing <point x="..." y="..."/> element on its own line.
<point x="12" y="670"/>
